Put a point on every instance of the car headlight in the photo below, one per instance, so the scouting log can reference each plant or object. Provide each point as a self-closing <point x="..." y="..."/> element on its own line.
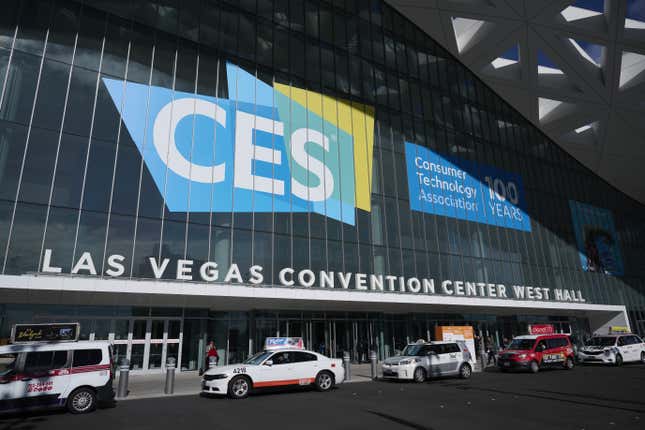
<point x="408" y="361"/>
<point x="607" y="352"/>
<point x="522" y="356"/>
<point x="213" y="377"/>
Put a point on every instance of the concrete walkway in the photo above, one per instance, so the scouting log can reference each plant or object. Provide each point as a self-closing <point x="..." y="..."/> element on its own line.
<point x="188" y="383"/>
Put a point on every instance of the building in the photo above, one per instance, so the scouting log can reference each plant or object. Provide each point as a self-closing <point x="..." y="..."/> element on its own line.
<point x="179" y="172"/>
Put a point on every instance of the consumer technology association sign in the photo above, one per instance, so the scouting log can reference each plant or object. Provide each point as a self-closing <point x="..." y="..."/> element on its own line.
<point x="465" y="190"/>
<point x="264" y="149"/>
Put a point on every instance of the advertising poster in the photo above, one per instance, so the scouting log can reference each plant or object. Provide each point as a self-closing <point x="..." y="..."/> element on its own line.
<point x="454" y="333"/>
<point x="465" y="190"/>
<point x="596" y="238"/>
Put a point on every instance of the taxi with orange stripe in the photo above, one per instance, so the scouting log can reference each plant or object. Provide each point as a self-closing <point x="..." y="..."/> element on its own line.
<point x="283" y="362"/>
<point x="46" y="366"/>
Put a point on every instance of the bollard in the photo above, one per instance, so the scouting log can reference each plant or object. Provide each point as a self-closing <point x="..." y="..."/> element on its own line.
<point x="212" y="362"/>
<point x="373" y="364"/>
<point x="346" y="365"/>
<point x="169" y="388"/>
<point x="124" y="375"/>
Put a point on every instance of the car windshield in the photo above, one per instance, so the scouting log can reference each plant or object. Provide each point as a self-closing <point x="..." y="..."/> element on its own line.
<point x="257" y="358"/>
<point x="7" y="363"/>
<point x="412" y="350"/>
<point x="601" y="341"/>
<point x="521" y="344"/>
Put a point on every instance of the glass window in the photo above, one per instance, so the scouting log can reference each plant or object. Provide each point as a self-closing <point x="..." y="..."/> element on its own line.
<point x="87" y="357"/>
<point x="24" y="248"/>
<point x="34" y="20"/>
<point x="281" y="358"/>
<point x="298" y="357"/>
<point x="62" y="32"/>
<point x="8" y="21"/>
<point x="20" y="88"/>
<point x="7" y="364"/>
<point x="90" y="35"/>
<point x="40" y="362"/>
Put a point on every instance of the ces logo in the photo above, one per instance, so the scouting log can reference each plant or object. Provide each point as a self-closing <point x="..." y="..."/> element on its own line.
<point x="264" y="149"/>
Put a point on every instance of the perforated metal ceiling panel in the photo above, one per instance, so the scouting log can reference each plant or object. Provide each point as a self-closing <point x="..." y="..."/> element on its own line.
<point x="574" y="68"/>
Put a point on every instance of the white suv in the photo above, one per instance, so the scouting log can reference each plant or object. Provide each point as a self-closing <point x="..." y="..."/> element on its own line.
<point x="420" y="361"/>
<point x="613" y="349"/>
<point x="67" y="374"/>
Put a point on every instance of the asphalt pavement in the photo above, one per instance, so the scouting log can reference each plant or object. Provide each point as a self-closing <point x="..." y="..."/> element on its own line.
<point x="589" y="397"/>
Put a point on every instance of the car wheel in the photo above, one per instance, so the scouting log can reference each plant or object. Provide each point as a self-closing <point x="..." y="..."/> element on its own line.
<point x="465" y="371"/>
<point x="239" y="387"/>
<point x="568" y="363"/>
<point x="419" y="374"/>
<point x="534" y="367"/>
<point x="81" y="401"/>
<point x="619" y="360"/>
<point x="324" y="381"/>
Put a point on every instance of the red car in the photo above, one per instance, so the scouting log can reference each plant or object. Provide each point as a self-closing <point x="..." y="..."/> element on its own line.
<point x="534" y="352"/>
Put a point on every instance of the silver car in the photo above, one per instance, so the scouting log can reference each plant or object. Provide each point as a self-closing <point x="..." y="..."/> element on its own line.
<point x="420" y="361"/>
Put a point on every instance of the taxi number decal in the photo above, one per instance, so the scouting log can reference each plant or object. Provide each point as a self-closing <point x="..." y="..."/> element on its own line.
<point x="239" y="370"/>
<point x="553" y="358"/>
<point x="40" y="387"/>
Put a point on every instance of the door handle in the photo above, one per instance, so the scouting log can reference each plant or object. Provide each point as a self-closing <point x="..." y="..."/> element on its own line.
<point x="25" y="379"/>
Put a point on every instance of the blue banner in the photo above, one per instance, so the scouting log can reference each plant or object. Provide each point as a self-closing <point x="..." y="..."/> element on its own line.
<point x="463" y="189"/>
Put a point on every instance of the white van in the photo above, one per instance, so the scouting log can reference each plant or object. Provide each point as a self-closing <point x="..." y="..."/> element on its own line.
<point x="75" y="375"/>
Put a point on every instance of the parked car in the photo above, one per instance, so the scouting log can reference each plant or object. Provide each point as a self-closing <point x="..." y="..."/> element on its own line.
<point x="535" y="352"/>
<point x="420" y="361"/>
<point x="275" y="367"/>
<point x="613" y="349"/>
<point x="75" y="375"/>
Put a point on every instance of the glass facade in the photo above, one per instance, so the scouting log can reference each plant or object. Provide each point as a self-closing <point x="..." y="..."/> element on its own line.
<point x="73" y="180"/>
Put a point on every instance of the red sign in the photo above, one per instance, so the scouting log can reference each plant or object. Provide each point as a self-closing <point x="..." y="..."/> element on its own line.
<point x="541" y="329"/>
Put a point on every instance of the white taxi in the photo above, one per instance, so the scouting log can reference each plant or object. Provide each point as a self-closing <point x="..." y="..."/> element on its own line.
<point x="613" y="349"/>
<point x="284" y="362"/>
<point x="76" y="375"/>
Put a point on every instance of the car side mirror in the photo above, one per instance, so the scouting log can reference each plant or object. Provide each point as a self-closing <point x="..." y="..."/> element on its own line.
<point x="268" y="363"/>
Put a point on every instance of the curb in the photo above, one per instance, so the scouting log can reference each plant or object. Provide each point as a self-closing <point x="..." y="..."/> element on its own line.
<point x="193" y="393"/>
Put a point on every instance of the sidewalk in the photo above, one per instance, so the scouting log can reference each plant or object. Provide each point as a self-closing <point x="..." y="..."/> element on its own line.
<point x="188" y="383"/>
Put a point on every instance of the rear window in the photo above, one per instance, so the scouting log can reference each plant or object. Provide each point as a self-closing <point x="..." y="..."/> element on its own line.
<point x="87" y="357"/>
<point x="452" y="347"/>
<point x="448" y="348"/>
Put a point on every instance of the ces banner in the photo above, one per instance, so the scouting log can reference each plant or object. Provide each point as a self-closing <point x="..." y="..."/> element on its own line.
<point x="464" y="190"/>
<point x="265" y="148"/>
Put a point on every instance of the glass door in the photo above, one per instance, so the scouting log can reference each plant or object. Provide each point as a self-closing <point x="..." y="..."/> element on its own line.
<point x="138" y="345"/>
<point x="156" y="344"/>
<point x="147" y="343"/>
<point x="172" y="343"/>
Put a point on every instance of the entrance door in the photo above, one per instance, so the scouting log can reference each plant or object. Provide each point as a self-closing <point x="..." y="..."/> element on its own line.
<point x="363" y="340"/>
<point x="319" y="337"/>
<point x="147" y="342"/>
<point x="138" y="344"/>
